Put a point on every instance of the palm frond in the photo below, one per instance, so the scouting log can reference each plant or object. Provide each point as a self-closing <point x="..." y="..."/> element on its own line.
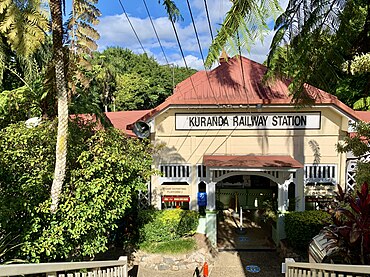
<point x="172" y="10"/>
<point x="24" y="26"/>
<point x="248" y="18"/>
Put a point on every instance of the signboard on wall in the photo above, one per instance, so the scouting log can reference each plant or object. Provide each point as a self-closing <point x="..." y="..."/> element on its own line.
<point x="175" y="198"/>
<point x="248" y="121"/>
<point x="202" y="199"/>
<point x="174" y="190"/>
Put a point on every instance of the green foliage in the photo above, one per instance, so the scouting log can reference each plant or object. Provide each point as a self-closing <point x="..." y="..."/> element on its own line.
<point x="313" y="41"/>
<point x="24" y="24"/>
<point x="132" y="93"/>
<point x="130" y="81"/>
<point x="8" y="245"/>
<point x="18" y="104"/>
<point x="301" y="227"/>
<point x="105" y="170"/>
<point x="167" y="225"/>
<point x="362" y="104"/>
<point x="245" y="22"/>
<point x="359" y="64"/>
<point x="178" y="246"/>
<point x="80" y="26"/>
<point x="357" y="143"/>
<point x="349" y="235"/>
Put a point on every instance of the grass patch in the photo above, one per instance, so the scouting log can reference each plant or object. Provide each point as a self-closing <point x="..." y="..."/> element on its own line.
<point x="179" y="246"/>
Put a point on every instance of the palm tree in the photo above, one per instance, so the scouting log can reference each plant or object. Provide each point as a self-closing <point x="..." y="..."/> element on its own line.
<point x="24" y="24"/>
<point x="62" y="100"/>
<point x="83" y="36"/>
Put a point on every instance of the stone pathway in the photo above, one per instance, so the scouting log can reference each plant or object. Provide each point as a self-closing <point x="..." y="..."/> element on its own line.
<point x="249" y="254"/>
<point x="228" y="263"/>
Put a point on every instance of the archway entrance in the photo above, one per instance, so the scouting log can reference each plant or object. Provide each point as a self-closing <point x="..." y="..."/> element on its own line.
<point x="247" y="208"/>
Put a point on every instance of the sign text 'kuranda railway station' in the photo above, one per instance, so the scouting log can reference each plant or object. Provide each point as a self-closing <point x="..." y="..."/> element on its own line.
<point x="273" y="121"/>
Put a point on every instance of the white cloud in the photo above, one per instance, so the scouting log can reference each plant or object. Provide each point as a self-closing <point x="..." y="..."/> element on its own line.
<point x="191" y="61"/>
<point x="116" y="31"/>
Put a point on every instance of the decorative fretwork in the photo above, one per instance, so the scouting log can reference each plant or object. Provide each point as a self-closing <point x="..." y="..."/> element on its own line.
<point x="175" y="173"/>
<point x="144" y="200"/>
<point x="201" y="171"/>
<point x="320" y="174"/>
<point x="273" y="173"/>
<point x="219" y="173"/>
<point x="351" y="171"/>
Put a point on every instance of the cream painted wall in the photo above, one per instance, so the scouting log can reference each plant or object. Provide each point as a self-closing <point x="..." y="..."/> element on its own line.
<point x="306" y="146"/>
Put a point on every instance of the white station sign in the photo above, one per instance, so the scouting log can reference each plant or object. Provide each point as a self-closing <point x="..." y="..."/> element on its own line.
<point x="248" y="121"/>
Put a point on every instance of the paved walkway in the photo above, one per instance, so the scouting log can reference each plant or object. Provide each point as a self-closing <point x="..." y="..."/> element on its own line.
<point x="228" y="263"/>
<point x="240" y="254"/>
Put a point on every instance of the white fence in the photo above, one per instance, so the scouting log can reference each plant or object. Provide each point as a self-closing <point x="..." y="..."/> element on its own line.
<point x="325" y="270"/>
<point x="72" y="269"/>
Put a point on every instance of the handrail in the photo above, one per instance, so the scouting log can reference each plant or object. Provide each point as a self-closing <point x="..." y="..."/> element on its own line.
<point x="330" y="267"/>
<point x="23" y="269"/>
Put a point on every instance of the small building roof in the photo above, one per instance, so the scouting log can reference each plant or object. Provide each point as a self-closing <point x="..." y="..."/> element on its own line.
<point x="250" y="161"/>
<point x="122" y="119"/>
<point x="363" y="115"/>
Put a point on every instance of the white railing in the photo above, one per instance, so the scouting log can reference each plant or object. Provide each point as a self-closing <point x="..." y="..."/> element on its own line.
<point x="325" y="270"/>
<point x="116" y="268"/>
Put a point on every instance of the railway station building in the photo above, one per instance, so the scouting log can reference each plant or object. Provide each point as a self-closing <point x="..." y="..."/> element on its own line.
<point x="239" y="141"/>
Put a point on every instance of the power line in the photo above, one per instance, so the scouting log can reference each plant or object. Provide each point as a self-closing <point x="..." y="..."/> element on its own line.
<point x="209" y="21"/>
<point x="242" y="68"/>
<point x="155" y="31"/>
<point x="132" y="27"/>
<point x="200" y="49"/>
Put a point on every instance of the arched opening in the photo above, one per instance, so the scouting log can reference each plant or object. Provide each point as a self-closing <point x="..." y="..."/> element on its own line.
<point x="291" y="197"/>
<point x="201" y="204"/>
<point x="254" y="198"/>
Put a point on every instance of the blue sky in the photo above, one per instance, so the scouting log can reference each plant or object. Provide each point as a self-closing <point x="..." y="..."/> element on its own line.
<point x="115" y="30"/>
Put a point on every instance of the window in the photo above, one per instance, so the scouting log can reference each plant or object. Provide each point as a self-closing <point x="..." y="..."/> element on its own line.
<point x="175" y="171"/>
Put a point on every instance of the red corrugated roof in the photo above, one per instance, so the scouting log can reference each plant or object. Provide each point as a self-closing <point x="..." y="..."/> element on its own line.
<point x="363" y="115"/>
<point x="250" y="161"/>
<point x="122" y="119"/>
<point x="224" y="85"/>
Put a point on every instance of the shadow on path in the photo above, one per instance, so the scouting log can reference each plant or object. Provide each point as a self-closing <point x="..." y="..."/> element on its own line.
<point x="256" y="234"/>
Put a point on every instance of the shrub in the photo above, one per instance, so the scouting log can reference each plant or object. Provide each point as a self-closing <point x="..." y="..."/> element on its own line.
<point x="301" y="227"/>
<point x="167" y="225"/>
<point x="178" y="246"/>
<point x="105" y="171"/>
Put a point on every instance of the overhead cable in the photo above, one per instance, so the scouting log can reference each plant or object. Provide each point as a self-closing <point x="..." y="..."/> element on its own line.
<point x="209" y="21"/>
<point x="132" y="27"/>
<point x="155" y="31"/>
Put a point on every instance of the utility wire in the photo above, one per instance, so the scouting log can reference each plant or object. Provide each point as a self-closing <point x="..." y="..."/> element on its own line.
<point x="242" y="68"/>
<point x="209" y="21"/>
<point x="132" y="27"/>
<point x="200" y="49"/>
<point x="155" y="31"/>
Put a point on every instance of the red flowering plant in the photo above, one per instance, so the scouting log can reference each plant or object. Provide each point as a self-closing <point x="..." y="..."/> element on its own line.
<point x="349" y="235"/>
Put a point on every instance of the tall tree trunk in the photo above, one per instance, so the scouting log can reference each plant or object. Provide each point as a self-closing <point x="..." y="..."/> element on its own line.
<point x="61" y="86"/>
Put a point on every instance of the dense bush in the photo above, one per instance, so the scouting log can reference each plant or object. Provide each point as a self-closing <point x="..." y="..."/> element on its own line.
<point x="167" y="225"/>
<point x="301" y="227"/>
<point x="105" y="170"/>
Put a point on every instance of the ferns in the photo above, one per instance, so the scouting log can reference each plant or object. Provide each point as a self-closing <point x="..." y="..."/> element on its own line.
<point x="82" y="34"/>
<point x="24" y="24"/>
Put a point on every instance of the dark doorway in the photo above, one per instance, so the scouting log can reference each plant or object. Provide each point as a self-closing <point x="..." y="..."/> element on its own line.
<point x="256" y="196"/>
